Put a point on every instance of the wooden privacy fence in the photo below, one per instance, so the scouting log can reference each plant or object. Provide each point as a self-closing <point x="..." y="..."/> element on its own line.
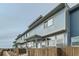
<point x="70" y="51"/>
<point x="18" y="51"/>
<point x="66" y="51"/>
<point x="42" y="52"/>
<point x="1" y="52"/>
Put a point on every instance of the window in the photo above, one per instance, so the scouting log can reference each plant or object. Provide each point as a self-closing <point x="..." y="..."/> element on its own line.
<point x="39" y="45"/>
<point x="34" y="45"/>
<point x="50" y="22"/>
<point x="52" y="41"/>
<point x="43" y="44"/>
<point x="75" y="41"/>
<point x="30" y="44"/>
<point x="60" y="40"/>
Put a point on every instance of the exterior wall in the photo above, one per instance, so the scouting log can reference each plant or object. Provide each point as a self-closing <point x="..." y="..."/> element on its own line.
<point x="59" y="40"/>
<point x="58" y="24"/>
<point x="61" y="21"/>
<point x="18" y="40"/>
<point x="18" y="46"/>
<point x="74" y="27"/>
<point x="52" y="41"/>
<point x="74" y="23"/>
<point x="23" y="45"/>
<point x="21" y="39"/>
<point x="30" y="44"/>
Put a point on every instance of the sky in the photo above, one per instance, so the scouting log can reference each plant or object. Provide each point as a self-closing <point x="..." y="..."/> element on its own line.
<point x="16" y="17"/>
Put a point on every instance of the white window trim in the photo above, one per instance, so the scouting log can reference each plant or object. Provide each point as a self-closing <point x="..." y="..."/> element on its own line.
<point x="50" y="22"/>
<point x="47" y="21"/>
<point x="62" y="41"/>
<point x="54" y="40"/>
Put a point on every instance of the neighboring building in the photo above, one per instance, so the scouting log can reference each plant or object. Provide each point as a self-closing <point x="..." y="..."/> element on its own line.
<point x="56" y="29"/>
<point x="74" y="25"/>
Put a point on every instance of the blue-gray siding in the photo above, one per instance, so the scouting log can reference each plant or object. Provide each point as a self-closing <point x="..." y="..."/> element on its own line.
<point x="74" y="23"/>
<point x="59" y="24"/>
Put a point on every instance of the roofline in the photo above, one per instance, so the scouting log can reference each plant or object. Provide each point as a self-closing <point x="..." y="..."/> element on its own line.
<point x="20" y="35"/>
<point x="52" y="12"/>
<point x="14" y="41"/>
<point x="36" y="23"/>
<point x="74" y="8"/>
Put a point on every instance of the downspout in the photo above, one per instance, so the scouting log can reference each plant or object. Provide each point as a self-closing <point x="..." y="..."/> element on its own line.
<point x="68" y="25"/>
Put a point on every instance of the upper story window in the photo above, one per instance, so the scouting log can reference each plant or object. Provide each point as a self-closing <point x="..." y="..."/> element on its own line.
<point x="48" y="23"/>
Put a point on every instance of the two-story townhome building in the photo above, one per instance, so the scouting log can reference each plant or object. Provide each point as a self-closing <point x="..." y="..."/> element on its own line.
<point x="19" y="41"/>
<point x="58" y="28"/>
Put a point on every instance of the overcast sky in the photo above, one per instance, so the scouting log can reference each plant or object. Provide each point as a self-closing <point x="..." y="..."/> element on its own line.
<point x="15" y="18"/>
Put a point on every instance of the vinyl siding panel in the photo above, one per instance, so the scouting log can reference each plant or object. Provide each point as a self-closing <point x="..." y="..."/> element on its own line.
<point x="74" y="20"/>
<point x="59" y="24"/>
